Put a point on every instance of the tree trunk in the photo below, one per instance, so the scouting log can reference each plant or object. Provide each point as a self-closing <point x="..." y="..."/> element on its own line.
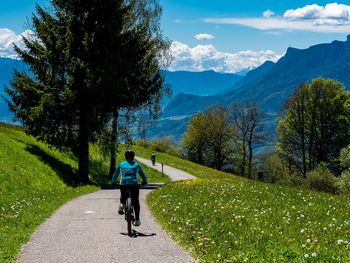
<point x="250" y="160"/>
<point x="114" y="144"/>
<point x="244" y="156"/>
<point x="83" y="148"/>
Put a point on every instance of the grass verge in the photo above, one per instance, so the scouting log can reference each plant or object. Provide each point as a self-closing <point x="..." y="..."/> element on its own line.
<point x="34" y="182"/>
<point x="231" y="219"/>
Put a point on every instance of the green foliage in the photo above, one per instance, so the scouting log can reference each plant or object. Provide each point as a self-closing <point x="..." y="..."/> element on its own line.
<point x="164" y="144"/>
<point x="344" y="182"/>
<point x="315" y="126"/>
<point x="345" y="157"/>
<point x="208" y="139"/>
<point x="274" y="168"/>
<point x="87" y="59"/>
<point x="237" y="220"/>
<point x="322" y="179"/>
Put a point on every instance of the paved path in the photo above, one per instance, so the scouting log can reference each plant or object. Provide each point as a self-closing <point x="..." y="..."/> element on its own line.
<point x="89" y="229"/>
<point x="173" y="173"/>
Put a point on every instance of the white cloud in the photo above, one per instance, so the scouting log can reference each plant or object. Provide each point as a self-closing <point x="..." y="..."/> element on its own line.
<point x="268" y="13"/>
<point x="8" y="38"/>
<point x="207" y="57"/>
<point x="204" y="36"/>
<point x="331" y="18"/>
<point x="333" y="11"/>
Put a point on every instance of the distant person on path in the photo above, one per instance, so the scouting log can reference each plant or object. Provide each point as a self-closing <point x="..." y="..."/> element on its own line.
<point x="128" y="180"/>
<point x="153" y="158"/>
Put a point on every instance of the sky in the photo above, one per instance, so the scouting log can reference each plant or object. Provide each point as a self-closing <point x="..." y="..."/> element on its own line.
<point x="220" y="35"/>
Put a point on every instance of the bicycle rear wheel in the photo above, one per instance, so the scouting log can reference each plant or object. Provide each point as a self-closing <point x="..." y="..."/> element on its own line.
<point x="129" y="214"/>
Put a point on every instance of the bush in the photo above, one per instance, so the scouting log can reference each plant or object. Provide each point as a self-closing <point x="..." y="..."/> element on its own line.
<point x="274" y="168"/>
<point x="322" y="180"/>
<point x="344" y="182"/>
<point x="345" y="157"/>
<point x="163" y="144"/>
<point x="143" y="143"/>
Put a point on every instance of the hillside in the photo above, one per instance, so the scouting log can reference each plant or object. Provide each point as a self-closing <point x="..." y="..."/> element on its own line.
<point x="224" y="218"/>
<point x="35" y="181"/>
<point x="200" y="83"/>
<point x="272" y="83"/>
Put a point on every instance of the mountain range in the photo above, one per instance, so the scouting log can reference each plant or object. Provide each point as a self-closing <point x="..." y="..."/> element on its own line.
<point x="197" y="83"/>
<point x="270" y="85"/>
<point x="7" y="65"/>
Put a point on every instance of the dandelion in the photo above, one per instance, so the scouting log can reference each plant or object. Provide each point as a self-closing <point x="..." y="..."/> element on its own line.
<point x="308" y="240"/>
<point x="313" y="254"/>
<point x="303" y="245"/>
<point x="306" y="255"/>
<point x="302" y="231"/>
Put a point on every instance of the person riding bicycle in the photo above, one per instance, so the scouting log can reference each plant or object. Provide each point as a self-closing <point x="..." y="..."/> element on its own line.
<point x="128" y="180"/>
<point x="153" y="158"/>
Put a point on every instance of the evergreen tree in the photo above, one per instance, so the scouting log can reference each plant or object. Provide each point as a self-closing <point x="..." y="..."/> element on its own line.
<point x="87" y="59"/>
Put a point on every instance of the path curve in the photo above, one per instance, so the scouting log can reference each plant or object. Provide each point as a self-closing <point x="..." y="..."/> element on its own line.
<point x="89" y="229"/>
<point x="173" y="173"/>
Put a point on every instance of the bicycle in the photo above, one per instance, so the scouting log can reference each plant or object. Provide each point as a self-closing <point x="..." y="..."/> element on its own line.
<point x="129" y="209"/>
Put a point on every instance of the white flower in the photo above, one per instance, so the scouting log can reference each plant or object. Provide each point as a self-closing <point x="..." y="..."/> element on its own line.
<point x="308" y="240"/>
<point x="313" y="254"/>
<point x="340" y="241"/>
<point x="302" y="231"/>
<point x="306" y="255"/>
<point x="303" y="245"/>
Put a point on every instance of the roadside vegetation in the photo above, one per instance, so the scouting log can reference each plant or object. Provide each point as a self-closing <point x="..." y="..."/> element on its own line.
<point x="35" y="180"/>
<point x="225" y="218"/>
<point x="312" y="147"/>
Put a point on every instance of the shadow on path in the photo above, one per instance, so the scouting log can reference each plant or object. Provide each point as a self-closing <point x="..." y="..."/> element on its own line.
<point x="136" y="234"/>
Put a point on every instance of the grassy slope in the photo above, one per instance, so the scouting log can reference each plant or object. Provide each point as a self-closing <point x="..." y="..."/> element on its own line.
<point x="230" y="219"/>
<point x="35" y="181"/>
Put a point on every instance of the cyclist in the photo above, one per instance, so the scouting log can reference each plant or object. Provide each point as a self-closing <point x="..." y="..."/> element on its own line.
<point x="153" y="158"/>
<point x="128" y="180"/>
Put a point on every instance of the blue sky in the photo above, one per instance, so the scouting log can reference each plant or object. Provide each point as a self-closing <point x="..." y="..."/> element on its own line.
<point x="235" y="33"/>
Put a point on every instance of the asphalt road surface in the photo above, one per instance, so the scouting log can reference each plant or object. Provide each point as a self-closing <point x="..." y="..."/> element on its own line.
<point x="89" y="229"/>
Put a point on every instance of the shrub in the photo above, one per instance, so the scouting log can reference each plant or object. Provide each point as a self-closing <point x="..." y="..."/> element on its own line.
<point x="273" y="168"/>
<point x="344" y="182"/>
<point x="323" y="180"/>
<point x="163" y="144"/>
<point x="166" y="145"/>
<point x="143" y="143"/>
<point x="345" y="157"/>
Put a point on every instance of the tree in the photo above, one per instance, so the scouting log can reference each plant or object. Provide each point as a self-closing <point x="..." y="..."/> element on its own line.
<point x="87" y="60"/>
<point x="249" y="134"/>
<point x="315" y="125"/>
<point x="195" y="140"/>
<point x="209" y="137"/>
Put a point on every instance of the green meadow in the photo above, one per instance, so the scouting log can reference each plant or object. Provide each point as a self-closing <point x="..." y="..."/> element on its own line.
<point x="231" y="219"/>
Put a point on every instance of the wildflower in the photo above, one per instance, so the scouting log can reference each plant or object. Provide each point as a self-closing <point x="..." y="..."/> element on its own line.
<point x="302" y="231"/>
<point x="340" y="241"/>
<point x="308" y="240"/>
<point x="313" y="254"/>
<point x="306" y="255"/>
<point x="303" y="245"/>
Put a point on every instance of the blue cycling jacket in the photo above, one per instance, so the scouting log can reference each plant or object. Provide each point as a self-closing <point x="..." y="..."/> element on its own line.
<point x="129" y="171"/>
